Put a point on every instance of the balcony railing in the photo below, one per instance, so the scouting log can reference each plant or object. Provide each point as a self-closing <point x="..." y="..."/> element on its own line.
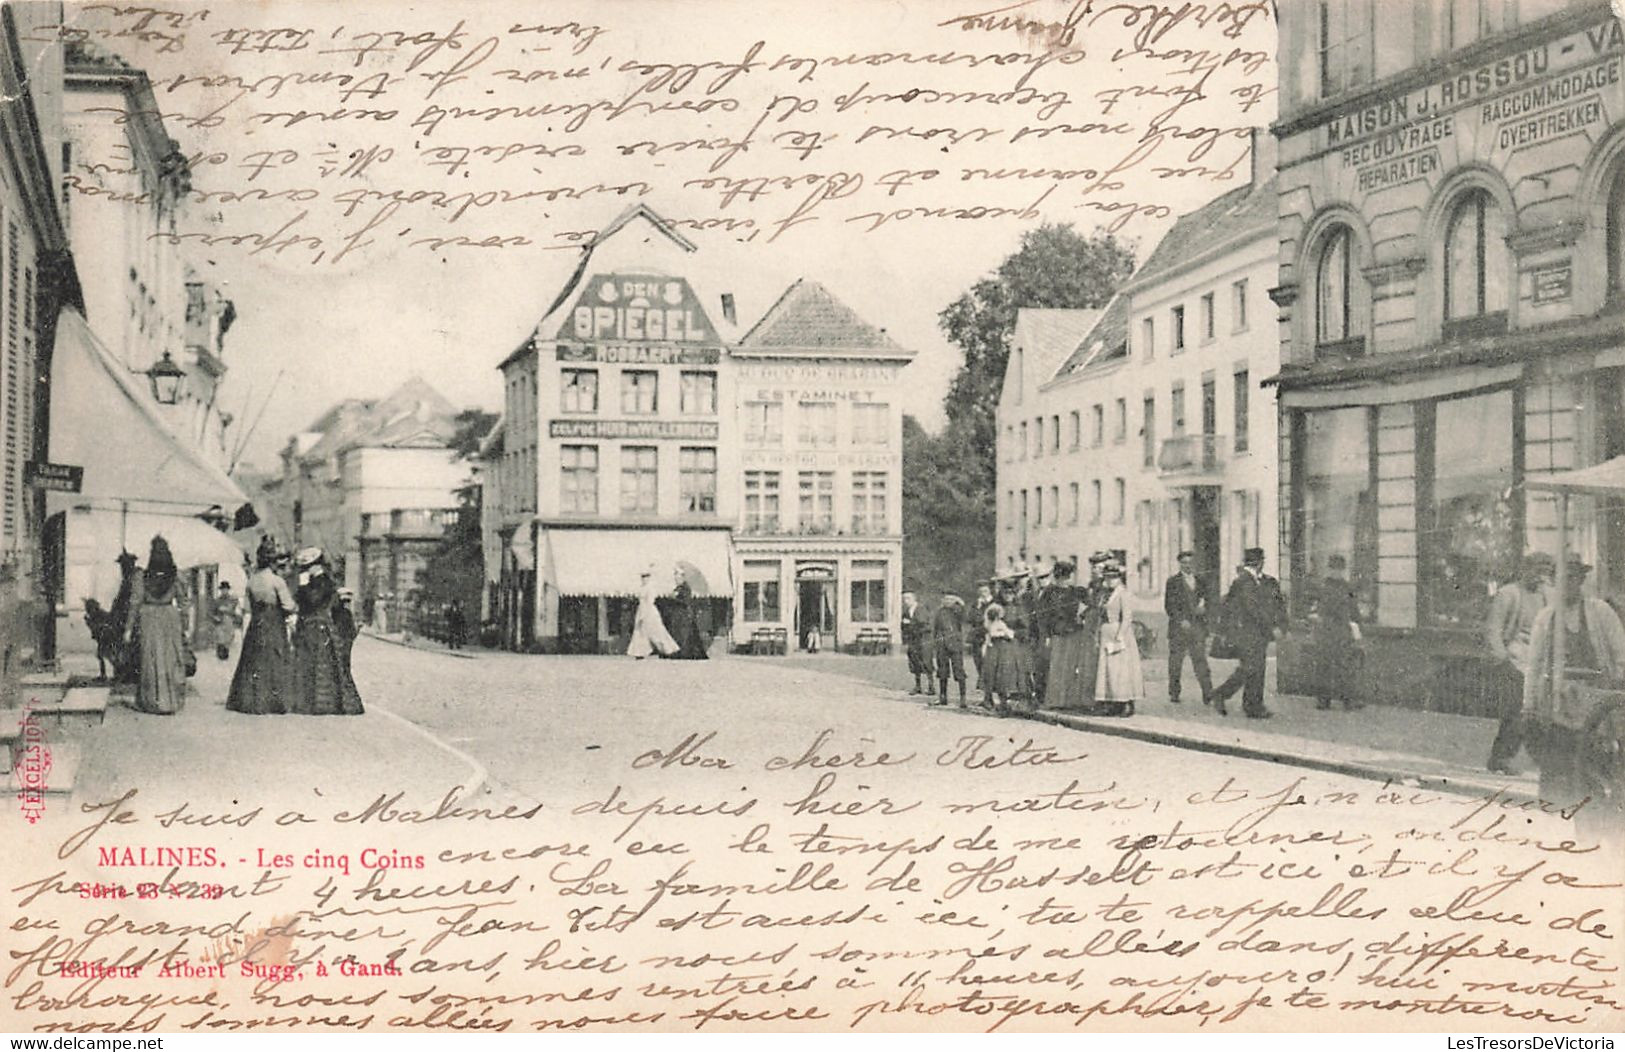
<point x="417" y="522"/>
<point x="1191" y="455"/>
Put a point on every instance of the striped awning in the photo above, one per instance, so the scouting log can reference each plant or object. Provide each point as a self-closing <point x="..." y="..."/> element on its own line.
<point x="611" y="562"/>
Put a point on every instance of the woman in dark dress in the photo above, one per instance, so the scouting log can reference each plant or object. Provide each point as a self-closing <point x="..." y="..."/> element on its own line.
<point x="345" y="624"/>
<point x="1334" y="620"/>
<point x="260" y="685"/>
<point x="321" y="680"/>
<point x="161" y="687"/>
<point x="684" y="620"/>
<point x="1064" y="603"/>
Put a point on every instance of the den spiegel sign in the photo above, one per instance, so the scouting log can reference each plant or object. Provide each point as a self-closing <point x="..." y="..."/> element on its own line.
<point x="638" y="308"/>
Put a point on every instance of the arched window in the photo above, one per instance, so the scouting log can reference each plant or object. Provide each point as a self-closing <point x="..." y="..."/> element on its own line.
<point x="1475" y="259"/>
<point x="1332" y="301"/>
<point x="1341" y="299"/>
<point x="1616" y="235"/>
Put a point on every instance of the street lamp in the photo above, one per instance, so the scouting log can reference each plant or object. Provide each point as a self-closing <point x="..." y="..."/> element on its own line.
<point x="166" y="378"/>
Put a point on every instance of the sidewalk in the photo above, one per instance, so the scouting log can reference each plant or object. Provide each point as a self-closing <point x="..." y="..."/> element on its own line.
<point x="401" y="639"/>
<point x="1441" y="751"/>
<point x="207" y="753"/>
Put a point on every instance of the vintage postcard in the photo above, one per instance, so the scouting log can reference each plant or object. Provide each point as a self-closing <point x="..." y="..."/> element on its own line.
<point x="838" y="517"/>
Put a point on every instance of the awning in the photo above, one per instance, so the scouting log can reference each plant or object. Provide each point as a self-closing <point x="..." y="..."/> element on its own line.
<point x="1605" y="479"/>
<point x="192" y="542"/>
<point x="1390" y="392"/>
<point x="612" y="562"/>
<point x="105" y="421"/>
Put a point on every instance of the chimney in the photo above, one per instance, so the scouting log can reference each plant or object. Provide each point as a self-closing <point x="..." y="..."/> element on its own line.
<point x="1262" y="155"/>
<point x="728" y="313"/>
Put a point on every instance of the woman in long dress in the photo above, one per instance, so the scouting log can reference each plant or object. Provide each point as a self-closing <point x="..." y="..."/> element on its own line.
<point x="1120" y="680"/>
<point x="649" y="635"/>
<point x="321" y="681"/>
<point x="685" y="625"/>
<point x="161" y="686"/>
<point x="261" y="683"/>
<point x="1071" y="648"/>
<point x="1007" y="664"/>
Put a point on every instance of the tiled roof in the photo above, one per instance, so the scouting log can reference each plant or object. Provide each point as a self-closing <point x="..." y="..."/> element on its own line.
<point x="1108" y="339"/>
<point x="809" y="317"/>
<point x="413" y="414"/>
<point x="1048" y="335"/>
<point x="1227" y="216"/>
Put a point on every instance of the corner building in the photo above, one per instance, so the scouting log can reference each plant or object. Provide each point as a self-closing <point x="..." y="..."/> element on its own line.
<point x="641" y="432"/>
<point x="611" y="460"/>
<point x="1452" y="294"/>
<point x="819" y="548"/>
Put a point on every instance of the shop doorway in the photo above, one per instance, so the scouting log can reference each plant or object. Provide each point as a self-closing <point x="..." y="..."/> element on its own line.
<point x="578" y="624"/>
<point x="815" y="612"/>
<point x="1206" y="535"/>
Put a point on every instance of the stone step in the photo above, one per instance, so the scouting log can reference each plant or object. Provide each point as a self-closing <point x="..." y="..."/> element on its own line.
<point x="77" y="707"/>
<point x="50" y="678"/>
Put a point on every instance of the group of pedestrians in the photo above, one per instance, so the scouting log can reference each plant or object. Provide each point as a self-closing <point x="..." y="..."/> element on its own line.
<point x="1057" y="644"/>
<point x="143" y="636"/>
<point x="305" y="671"/>
<point x="1054" y="642"/>
<point x="668" y="626"/>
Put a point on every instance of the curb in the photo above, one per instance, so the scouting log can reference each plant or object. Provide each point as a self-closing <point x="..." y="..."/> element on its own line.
<point x="1349" y="768"/>
<point x="478" y="775"/>
<point x="410" y="646"/>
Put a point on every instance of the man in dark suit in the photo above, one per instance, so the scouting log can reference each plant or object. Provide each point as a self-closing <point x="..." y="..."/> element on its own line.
<point x="948" y="640"/>
<point x="1186" y="599"/>
<point x="1254" y="615"/>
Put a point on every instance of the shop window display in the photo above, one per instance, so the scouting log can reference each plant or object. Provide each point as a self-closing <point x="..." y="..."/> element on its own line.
<point x="1471" y="544"/>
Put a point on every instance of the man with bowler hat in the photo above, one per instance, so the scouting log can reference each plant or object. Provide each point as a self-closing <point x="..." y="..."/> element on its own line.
<point x="1187" y="600"/>
<point x="1254" y="615"/>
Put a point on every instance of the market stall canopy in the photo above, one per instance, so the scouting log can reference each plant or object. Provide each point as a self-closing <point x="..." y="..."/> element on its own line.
<point x="1605" y="479"/>
<point x="589" y="562"/>
<point x="104" y="420"/>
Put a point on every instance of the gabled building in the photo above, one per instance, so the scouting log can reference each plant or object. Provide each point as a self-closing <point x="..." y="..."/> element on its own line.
<point x="374" y="484"/>
<point x="641" y="433"/>
<point x="615" y="443"/>
<point x="819" y="546"/>
<point x="1146" y="431"/>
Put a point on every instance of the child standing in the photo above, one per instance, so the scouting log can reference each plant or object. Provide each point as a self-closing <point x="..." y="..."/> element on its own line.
<point x="1007" y="666"/>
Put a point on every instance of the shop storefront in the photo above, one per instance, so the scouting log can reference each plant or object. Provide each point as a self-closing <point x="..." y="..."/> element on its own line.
<point x="1452" y="294"/>
<point x="591" y="578"/>
<point x="1420" y="486"/>
<point x="146" y="483"/>
<point x="815" y="599"/>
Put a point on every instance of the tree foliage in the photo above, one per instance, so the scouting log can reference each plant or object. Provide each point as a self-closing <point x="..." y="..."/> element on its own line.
<point x="1055" y="266"/>
<point x="456" y="568"/>
<point x="949" y="479"/>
